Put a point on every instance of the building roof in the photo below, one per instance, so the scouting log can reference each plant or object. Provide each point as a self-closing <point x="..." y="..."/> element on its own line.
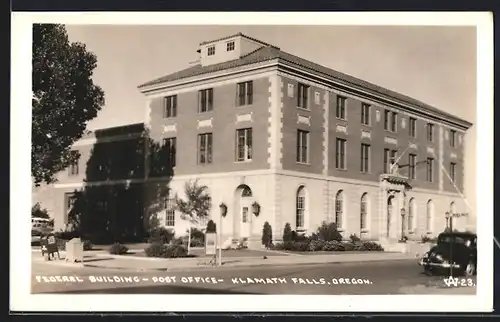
<point x="268" y="52"/>
<point x="236" y="35"/>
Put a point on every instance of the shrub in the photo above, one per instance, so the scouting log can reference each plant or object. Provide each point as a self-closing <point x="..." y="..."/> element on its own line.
<point x="354" y="238"/>
<point x="333" y="246"/>
<point x="39" y="212"/>
<point x="371" y="247"/>
<point x="279" y="246"/>
<point x="197" y="242"/>
<point x="118" y="249"/>
<point x="211" y="227"/>
<point x="166" y="251"/>
<point x="296" y="237"/>
<point x="267" y="235"/>
<point x="197" y="234"/>
<point x="316" y="245"/>
<point x="329" y="232"/>
<point x="287" y="233"/>
<point x="179" y="241"/>
<point x="160" y="235"/>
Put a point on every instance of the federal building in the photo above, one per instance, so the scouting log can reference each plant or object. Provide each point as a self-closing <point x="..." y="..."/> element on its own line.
<point x="281" y="139"/>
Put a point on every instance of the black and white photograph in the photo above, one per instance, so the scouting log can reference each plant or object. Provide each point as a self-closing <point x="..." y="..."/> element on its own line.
<point x="252" y="154"/>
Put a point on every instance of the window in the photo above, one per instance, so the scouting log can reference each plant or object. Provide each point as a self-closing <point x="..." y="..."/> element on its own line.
<point x="70" y="201"/>
<point x="430" y="132"/>
<point x="170" y="212"/>
<point x="300" y="207"/>
<point x="365" y="158"/>
<point x="430" y="169"/>
<point x="244" y="215"/>
<point x="453" y="136"/>
<point x="170" y="106"/>
<point x="339" y="208"/>
<point x="205" y="99"/>
<point x="230" y="46"/>
<point x="411" y="214"/>
<point x="453" y="169"/>
<point x="243" y="144"/>
<point x="363" y="212"/>
<point x="394" y="122"/>
<point x="412" y="162"/>
<point x="302" y="146"/>
<point x="211" y="51"/>
<point x="245" y="93"/>
<point x="73" y="167"/>
<point x="413" y="127"/>
<point x="389" y="157"/>
<point x="429" y="215"/>
<point x="302" y="98"/>
<point x="390" y="121"/>
<point x="205" y="148"/>
<point x="341" y="103"/>
<point x="387" y="116"/>
<point x="365" y="114"/>
<point x="340" y="159"/>
<point x="169" y="144"/>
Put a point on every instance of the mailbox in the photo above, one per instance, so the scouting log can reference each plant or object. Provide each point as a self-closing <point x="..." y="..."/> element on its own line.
<point x="74" y="250"/>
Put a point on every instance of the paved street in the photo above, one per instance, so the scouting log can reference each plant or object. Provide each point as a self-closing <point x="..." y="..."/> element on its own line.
<point x="390" y="277"/>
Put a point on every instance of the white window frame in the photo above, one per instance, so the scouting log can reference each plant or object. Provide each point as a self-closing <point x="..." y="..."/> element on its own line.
<point x="301" y="158"/>
<point x="341" y="107"/>
<point x="341" y="142"/>
<point x="365" y="114"/>
<point x="170" y="212"/>
<point x="247" y="144"/>
<point x="339" y="211"/>
<point x="230" y="45"/>
<point x="413" y="128"/>
<point x="300" y="213"/>
<point x="206" y="105"/>
<point x="303" y="96"/>
<point x="430" y="170"/>
<point x="211" y="51"/>
<point x="246" y="93"/>
<point x="365" y="157"/>
<point x="170" y="106"/>
<point x="205" y="148"/>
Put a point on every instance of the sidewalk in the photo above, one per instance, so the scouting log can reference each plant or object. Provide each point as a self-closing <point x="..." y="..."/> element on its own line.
<point x="101" y="259"/>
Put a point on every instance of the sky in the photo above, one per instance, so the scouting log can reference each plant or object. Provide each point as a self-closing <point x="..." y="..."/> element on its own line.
<point x="434" y="64"/>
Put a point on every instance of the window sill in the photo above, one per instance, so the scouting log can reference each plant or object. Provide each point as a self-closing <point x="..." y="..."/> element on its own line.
<point x="169" y="117"/>
<point x="244" y="106"/>
<point x="341" y="119"/>
<point x="367" y="125"/>
<point x="304" y="109"/>
<point x="366" y="173"/>
<point x="429" y="232"/>
<point x="303" y="163"/>
<point x="243" y="161"/>
<point x="364" y="231"/>
<point x="338" y="169"/>
<point x="205" y="113"/>
<point x="391" y="132"/>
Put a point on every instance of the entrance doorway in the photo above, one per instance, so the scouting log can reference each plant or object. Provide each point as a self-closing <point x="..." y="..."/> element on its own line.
<point x="245" y="198"/>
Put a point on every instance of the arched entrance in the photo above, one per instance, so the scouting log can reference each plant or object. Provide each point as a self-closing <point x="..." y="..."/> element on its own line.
<point x="243" y="199"/>
<point x="390" y="212"/>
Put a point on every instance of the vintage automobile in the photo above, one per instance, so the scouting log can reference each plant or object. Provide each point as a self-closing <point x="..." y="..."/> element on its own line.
<point x="39" y="226"/>
<point x="454" y="254"/>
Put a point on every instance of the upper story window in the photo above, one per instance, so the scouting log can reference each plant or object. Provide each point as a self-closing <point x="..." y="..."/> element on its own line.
<point x="412" y="127"/>
<point x="340" y="154"/>
<point x="389" y="158"/>
<point x="365" y="114"/>
<point x="302" y="146"/>
<point x="390" y="121"/>
<point x="341" y="103"/>
<point x="302" y="97"/>
<point x="430" y="132"/>
<point x="430" y="170"/>
<point x="170" y="106"/>
<point x="73" y="167"/>
<point x="230" y="46"/>
<point x="453" y="171"/>
<point x="211" y="51"/>
<point x="244" y="144"/>
<point x="453" y="137"/>
<point x="365" y="158"/>
<point x="170" y="146"/>
<point x="245" y="93"/>
<point x="205" y="99"/>
<point x="412" y="163"/>
<point x="205" y="148"/>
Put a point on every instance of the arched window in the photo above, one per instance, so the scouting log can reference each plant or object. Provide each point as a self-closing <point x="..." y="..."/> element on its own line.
<point x="300" y="207"/>
<point x="363" y="212"/>
<point x="411" y="214"/>
<point x="246" y="191"/>
<point x="430" y="215"/>
<point x="339" y="208"/>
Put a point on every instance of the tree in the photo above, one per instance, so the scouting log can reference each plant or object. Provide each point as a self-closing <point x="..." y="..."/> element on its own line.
<point x="287" y="233"/>
<point x="64" y="99"/>
<point x="196" y="206"/>
<point x="267" y="235"/>
<point x="38" y="212"/>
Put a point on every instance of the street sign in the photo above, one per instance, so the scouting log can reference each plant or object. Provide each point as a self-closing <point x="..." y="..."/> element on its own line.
<point x="210" y="243"/>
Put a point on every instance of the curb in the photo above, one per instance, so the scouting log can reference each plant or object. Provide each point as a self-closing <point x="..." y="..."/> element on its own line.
<point x="204" y="267"/>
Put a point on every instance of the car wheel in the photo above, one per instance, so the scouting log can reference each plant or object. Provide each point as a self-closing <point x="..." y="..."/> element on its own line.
<point x="469" y="269"/>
